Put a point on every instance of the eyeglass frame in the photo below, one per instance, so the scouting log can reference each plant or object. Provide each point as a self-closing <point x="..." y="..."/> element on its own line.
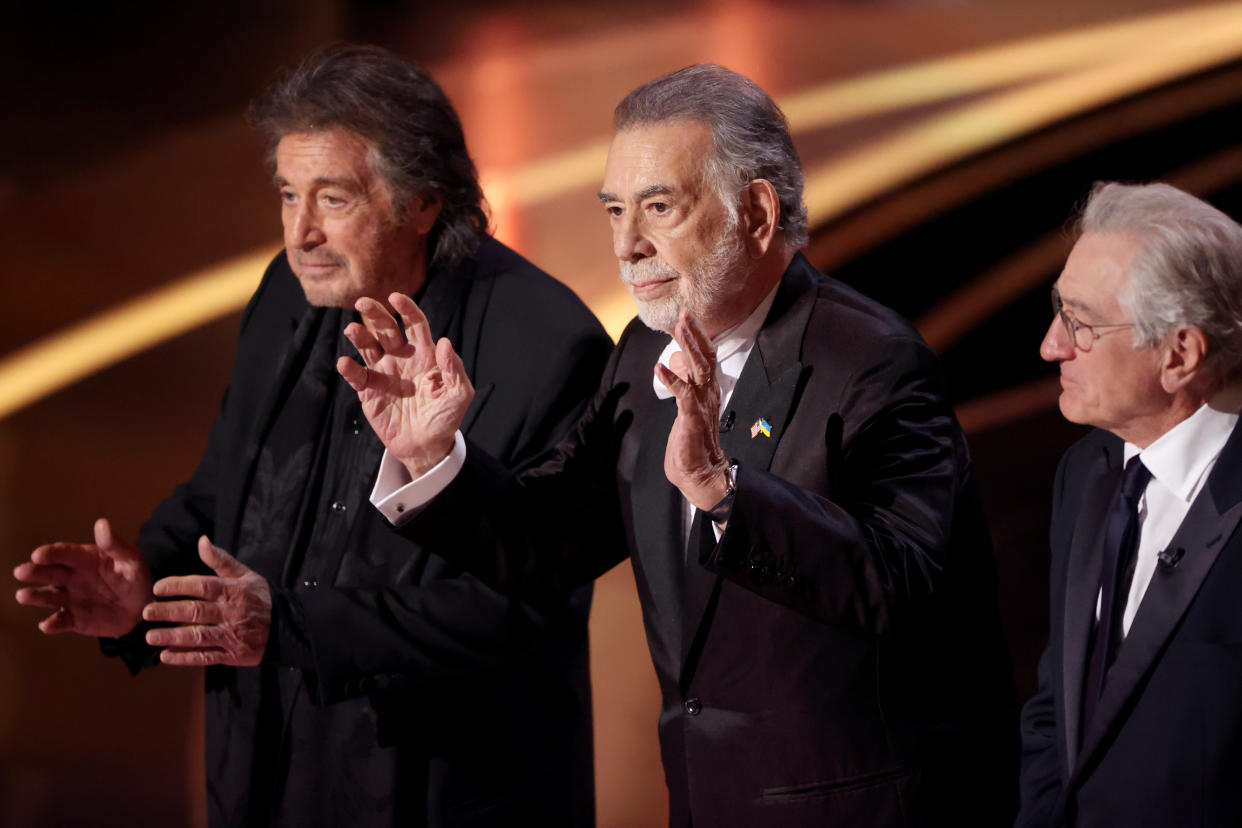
<point x="1073" y="326"/>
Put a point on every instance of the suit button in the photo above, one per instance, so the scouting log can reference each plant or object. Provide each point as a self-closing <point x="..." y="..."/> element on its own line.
<point x="790" y="581"/>
<point x="338" y="506"/>
<point x="693" y="707"/>
<point x="311" y="583"/>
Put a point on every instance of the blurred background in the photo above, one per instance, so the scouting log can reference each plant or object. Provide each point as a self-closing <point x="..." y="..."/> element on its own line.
<point x="945" y="144"/>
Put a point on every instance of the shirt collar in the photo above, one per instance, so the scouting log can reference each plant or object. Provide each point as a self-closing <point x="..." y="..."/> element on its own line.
<point x="732" y="347"/>
<point x="1182" y="455"/>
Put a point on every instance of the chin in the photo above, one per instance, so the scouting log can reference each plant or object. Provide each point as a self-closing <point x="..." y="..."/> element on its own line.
<point x="327" y="291"/>
<point x="1070" y="410"/>
<point x="660" y="315"/>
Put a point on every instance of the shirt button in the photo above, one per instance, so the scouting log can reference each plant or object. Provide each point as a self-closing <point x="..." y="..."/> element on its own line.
<point x="338" y="506"/>
<point x="693" y="707"/>
<point x="355" y="427"/>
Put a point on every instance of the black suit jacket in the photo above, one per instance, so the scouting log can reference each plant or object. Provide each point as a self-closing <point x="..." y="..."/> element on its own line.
<point x="836" y="659"/>
<point x="1165" y="744"/>
<point x="439" y="701"/>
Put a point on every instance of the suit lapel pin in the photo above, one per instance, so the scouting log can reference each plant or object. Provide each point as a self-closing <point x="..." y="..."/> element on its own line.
<point x="761" y="426"/>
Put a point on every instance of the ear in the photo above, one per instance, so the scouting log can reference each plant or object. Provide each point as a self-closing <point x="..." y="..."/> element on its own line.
<point x="760" y="215"/>
<point x="423" y="214"/>
<point x="1183" y="358"/>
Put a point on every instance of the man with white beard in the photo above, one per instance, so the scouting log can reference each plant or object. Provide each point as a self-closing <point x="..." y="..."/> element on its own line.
<point x="794" y="493"/>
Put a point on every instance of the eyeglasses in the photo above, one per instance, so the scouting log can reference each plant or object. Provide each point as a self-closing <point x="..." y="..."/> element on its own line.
<point x="1081" y="334"/>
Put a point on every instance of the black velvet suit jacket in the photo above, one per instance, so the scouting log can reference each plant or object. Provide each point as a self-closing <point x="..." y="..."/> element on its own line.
<point x="425" y="697"/>
<point x="1165" y="744"/>
<point x="836" y="659"/>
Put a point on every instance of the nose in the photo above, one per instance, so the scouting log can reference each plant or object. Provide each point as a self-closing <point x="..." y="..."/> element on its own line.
<point x="629" y="241"/>
<point x="1056" y="345"/>
<point x="302" y="227"/>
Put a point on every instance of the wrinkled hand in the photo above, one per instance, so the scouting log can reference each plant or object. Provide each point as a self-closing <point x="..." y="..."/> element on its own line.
<point x="693" y="459"/>
<point x="226" y="622"/>
<point x="95" y="589"/>
<point x="414" y="393"/>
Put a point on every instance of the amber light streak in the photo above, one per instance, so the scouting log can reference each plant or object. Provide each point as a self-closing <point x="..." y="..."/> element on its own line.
<point x="1099" y="64"/>
<point x="52" y="363"/>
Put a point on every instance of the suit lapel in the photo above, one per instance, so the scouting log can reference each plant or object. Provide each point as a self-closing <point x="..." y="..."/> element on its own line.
<point x="765" y="390"/>
<point x="1212" y="519"/>
<point x="278" y="387"/>
<point x="1082" y="574"/>
<point x="657" y="510"/>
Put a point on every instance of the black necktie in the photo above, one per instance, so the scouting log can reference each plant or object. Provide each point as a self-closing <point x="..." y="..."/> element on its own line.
<point x="1121" y="534"/>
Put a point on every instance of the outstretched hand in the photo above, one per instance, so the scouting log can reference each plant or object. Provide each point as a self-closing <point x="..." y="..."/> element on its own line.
<point x="95" y="588"/>
<point x="414" y="392"/>
<point x="226" y="620"/>
<point x="693" y="459"/>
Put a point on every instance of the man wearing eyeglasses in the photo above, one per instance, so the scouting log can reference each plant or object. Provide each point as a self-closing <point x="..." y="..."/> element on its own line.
<point x="1138" y="718"/>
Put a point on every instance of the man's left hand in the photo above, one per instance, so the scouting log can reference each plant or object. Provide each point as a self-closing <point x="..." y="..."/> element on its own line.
<point x="226" y="621"/>
<point x="693" y="459"/>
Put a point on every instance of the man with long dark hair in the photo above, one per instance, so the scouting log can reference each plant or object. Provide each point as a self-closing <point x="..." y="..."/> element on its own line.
<point x="352" y="678"/>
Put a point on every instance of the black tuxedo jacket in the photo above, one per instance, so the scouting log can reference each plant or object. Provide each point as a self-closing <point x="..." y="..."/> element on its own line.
<point x="439" y="701"/>
<point x="836" y="659"/>
<point x="1165" y="744"/>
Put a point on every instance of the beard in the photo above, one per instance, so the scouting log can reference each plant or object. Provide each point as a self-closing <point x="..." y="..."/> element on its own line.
<point x="700" y="289"/>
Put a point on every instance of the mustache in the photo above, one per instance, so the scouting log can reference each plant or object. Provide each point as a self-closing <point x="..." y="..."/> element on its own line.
<point x="324" y="257"/>
<point x="645" y="270"/>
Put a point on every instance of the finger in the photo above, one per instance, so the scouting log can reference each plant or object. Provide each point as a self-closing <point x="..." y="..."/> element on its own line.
<point x="192" y="636"/>
<point x="194" y="658"/>
<point x="417" y="329"/>
<point x="362" y="339"/>
<point x="183" y="612"/>
<point x="696" y="349"/>
<point x="380" y="323"/>
<point x="32" y="573"/>
<point x="680" y="388"/>
<point x="353" y="373"/>
<point x="679" y="364"/>
<point x="71" y="555"/>
<point x="452" y="369"/>
<point x="207" y="587"/>
<point x="48" y="597"/>
<point x="221" y="562"/>
<point x="103" y="533"/>
<point x="60" y="621"/>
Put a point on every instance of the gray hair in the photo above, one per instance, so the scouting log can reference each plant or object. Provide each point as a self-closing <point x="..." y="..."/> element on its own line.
<point x="415" y="138"/>
<point x="749" y="134"/>
<point x="1187" y="269"/>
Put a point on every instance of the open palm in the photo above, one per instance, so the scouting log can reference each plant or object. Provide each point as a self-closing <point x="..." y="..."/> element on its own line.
<point x="414" y="392"/>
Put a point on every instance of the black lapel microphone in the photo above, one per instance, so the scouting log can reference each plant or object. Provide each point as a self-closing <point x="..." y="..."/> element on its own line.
<point x="1170" y="558"/>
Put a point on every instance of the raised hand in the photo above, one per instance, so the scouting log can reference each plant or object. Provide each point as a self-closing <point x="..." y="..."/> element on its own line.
<point x="226" y="620"/>
<point x="693" y="459"/>
<point x="95" y="589"/>
<point x="413" y="392"/>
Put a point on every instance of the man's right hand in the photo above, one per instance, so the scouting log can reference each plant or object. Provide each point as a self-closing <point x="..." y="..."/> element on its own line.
<point x="413" y="392"/>
<point x="94" y="589"/>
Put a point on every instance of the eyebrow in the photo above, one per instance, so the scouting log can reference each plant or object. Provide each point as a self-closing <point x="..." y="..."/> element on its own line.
<point x="1071" y="303"/>
<point x="646" y="192"/>
<point x="322" y="181"/>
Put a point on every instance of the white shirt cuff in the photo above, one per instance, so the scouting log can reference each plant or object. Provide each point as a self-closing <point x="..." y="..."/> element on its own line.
<point x="400" y="498"/>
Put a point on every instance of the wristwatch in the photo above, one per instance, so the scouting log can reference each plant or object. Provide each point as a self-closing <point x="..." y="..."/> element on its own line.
<point x="720" y="512"/>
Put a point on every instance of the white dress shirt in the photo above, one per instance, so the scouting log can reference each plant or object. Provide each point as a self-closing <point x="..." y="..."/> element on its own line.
<point x="1180" y="461"/>
<point x="399" y="498"/>
<point x="732" y="348"/>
